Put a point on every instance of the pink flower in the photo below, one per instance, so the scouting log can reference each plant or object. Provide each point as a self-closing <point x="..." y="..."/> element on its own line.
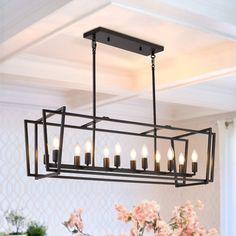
<point x="75" y="221"/>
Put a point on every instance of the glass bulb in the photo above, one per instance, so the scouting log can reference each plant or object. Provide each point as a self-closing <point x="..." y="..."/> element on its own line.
<point x="117" y="149"/>
<point x="133" y="154"/>
<point x="170" y="154"/>
<point x="56" y="143"/>
<point x="158" y="157"/>
<point x="77" y="150"/>
<point x="181" y="158"/>
<point x="88" y="146"/>
<point x="194" y="156"/>
<point x="106" y="152"/>
<point x="144" y="151"/>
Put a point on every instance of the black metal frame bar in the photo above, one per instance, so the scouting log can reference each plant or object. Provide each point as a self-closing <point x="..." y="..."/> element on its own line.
<point x="93" y="172"/>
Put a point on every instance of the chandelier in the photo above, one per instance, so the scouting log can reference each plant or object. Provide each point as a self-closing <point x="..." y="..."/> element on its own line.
<point x="179" y="168"/>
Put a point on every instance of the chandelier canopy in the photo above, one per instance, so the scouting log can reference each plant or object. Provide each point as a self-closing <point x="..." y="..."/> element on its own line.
<point x="181" y="171"/>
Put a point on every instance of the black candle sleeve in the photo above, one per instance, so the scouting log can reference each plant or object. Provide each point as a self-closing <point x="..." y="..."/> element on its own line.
<point x="194" y="167"/>
<point x="133" y="164"/>
<point x="77" y="160"/>
<point x="87" y="159"/>
<point x="55" y="154"/>
<point x="144" y="163"/>
<point x="117" y="161"/>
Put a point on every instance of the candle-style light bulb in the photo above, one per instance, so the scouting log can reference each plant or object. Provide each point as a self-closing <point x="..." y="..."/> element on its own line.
<point x="117" y="149"/>
<point x="158" y="159"/>
<point x="77" y="155"/>
<point x="170" y="156"/>
<point x="133" y="156"/>
<point x="117" y="155"/>
<point x="194" y="158"/>
<point x="181" y="159"/>
<point x="144" y="157"/>
<point x="77" y="150"/>
<point x="144" y="151"/>
<point x="106" y="152"/>
<point x="106" y="161"/>
<point x="181" y="162"/>
<point x="56" y="143"/>
<point x="88" y="149"/>
<point x="55" y="152"/>
<point x="88" y="146"/>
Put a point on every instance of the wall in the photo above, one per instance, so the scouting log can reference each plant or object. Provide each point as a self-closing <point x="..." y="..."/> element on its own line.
<point x="50" y="201"/>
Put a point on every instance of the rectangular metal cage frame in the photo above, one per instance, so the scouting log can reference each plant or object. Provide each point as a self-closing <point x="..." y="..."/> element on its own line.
<point x="124" y="174"/>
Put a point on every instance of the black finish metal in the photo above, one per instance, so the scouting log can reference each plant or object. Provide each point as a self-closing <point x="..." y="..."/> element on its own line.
<point x="61" y="139"/>
<point x="94" y="45"/>
<point x="209" y="149"/>
<point x="144" y="163"/>
<point x="117" y="161"/>
<point x="36" y="149"/>
<point x="154" y="104"/>
<point x="123" y="41"/>
<point x="58" y="169"/>
<point x="175" y="165"/>
<point x="213" y="156"/>
<point x="87" y="158"/>
<point x="27" y="148"/>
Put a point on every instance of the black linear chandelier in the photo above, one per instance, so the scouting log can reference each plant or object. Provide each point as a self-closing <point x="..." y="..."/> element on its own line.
<point x="184" y="175"/>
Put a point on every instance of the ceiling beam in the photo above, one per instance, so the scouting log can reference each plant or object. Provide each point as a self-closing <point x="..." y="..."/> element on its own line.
<point x="49" y="26"/>
<point x="188" y="13"/>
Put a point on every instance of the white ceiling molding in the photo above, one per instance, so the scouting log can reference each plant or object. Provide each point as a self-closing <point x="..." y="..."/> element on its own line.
<point x="19" y="15"/>
<point x="50" y="26"/>
<point x="188" y="13"/>
<point x="217" y="61"/>
<point x="65" y="76"/>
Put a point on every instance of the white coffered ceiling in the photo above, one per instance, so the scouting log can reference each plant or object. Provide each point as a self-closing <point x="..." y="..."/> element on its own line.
<point x="45" y="61"/>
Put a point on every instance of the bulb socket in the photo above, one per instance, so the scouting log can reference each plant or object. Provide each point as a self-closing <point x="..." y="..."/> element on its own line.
<point x="194" y="167"/>
<point x="55" y="154"/>
<point x="44" y="159"/>
<point x="87" y="158"/>
<point x="106" y="162"/>
<point x="117" y="161"/>
<point x="170" y="165"/>
<point x="144" y="163"/>
<point x="77" y="160"/>
<point x="133" y="164"/>
<point x="157" y="166"/>
<point x="181" y="168"/>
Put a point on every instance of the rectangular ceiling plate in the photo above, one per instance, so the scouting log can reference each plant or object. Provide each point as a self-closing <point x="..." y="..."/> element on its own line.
<point x="123" y="41"/>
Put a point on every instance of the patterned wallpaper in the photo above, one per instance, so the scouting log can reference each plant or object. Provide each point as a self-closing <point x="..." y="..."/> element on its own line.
<point x="50" y="201"/>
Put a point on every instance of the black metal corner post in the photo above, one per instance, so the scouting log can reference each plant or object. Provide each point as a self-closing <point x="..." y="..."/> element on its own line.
<point x="154" y="103"/>
<point x="94" y="45"/>
<point x="27" y="148"/>
<point x="186" y="159"/>
<point x="209" y="149"/>
<point x="45" y="135"/>
<point x="213" y="156"/>
<point x="36" y="149"/>
<point x="175" y="165"/>
<point x="62" y="128"/>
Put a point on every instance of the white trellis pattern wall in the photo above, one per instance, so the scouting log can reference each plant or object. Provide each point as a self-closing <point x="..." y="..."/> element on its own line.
<point x="51" y="200"/>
